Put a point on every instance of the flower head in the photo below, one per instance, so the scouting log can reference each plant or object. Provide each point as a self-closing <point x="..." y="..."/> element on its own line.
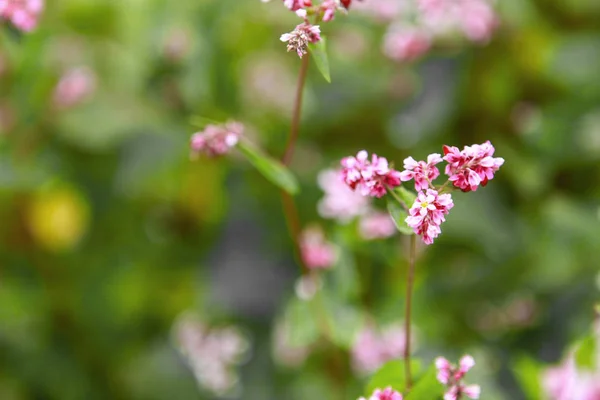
<point x="316" y="252"/>
<point x="406" y="44"/>
<point x="376" y="225"/>
<point x="452" y="376"/>
<point x="422" y="172"/>
<point x="23" y="14"/>
<point x="372" y="177"/>
<point x="386" y="394"/>
<point x="373" y="348"/>
<point x="427" y="214"/>
<point x="216" y="140"/>
<point x="74" y="87"/>
<point x="473" y="166"/>
<point x="295" y="5"/>
<point x="298" y="39"/>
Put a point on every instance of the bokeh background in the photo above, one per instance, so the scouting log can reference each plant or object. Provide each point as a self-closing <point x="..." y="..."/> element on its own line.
<point x="109" y="231"/>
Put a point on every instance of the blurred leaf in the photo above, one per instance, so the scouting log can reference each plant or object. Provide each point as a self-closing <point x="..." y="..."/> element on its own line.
<point x="527" y="372"/>
<point x="201" y="122"/>
<point x="346" y="282"/>
<point x="319" y="53"/>
<point x="271" y="169"/>
<point x="406" y="196"/>
<point x="585" y="355"/>
<point x="303" y="329"/>
<point x="346" y="321"/>
<point x="426" y="387"/>
<point x="399" y="215"/>
<point x="392" y="374"/>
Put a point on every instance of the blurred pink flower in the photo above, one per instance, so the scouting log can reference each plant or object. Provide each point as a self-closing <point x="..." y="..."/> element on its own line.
<point x="176" y="44"/>
<point x="566" y="382"/>
<point x="385" y="394"/>
<point x="74" y="87"/>
<point x="299" y="38"/>
<point x="471" y="167"/>
<point x="295" y="5"/>
<point x="376" y="225"/>
<point x="284" y="352"/>
<point x="23" y="14"/>
<point x="384" y="10"/>
<point x="422" y="172"/>
<point x="371" y="178"/>
<point x="452" y="377"/>
<point x="372" y="349"/>
<point x="427" y="214"/>
<point x="340" y="202"/>
<point x="406" y="44"/>
<point x="478" y="20"/>
<point x="216" y="140"/>
<point x="317" y="253"/>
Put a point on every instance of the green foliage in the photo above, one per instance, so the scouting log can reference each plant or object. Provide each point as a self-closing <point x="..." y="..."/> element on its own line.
<point x="399" y="215"/>
<point x="318" y="51"/>
<point x="528" y="373"/>
<point x="586" y="353"/>
<point x="392" y="374"/>
<point x="426" y="386"/>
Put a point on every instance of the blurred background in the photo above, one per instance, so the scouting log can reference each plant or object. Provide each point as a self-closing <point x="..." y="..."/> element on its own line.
<point x="115" y="246"/>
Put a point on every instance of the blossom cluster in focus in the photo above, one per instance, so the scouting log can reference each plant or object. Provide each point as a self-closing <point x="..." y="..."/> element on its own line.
<point x="415" y="25"/>
<point x="212" y="353"/>
<point x="452" y="377"/>
<point x="23" y="14"/>
<point x="466" y="169"/>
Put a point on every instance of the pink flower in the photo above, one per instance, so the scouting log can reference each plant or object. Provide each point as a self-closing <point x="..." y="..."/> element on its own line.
<point x="74" y="87"/>
<point x="376" y="225"/>
<point x="472" y="167"/>
<point x="385" y="394"/>
<point x="566" y="382"/>
<point x="328" y="8"/>
<point x="340" y="202"/>
<point x="372" y="349"/>
<point x="478" y="20"/>
<point x="295" y="5"/>
<point x="406" y="44"/>
<point x="316" y="252"/>
<point x="216" y="140"/>
<point x="427" y="214"/>
<point x="452" y="377"/>
<point x="23" y="14"/>
<point x="299" y="38"/>
<point x="383" y="10"/>
<point x="371" y="177"/>
<point x="422" y="172"/>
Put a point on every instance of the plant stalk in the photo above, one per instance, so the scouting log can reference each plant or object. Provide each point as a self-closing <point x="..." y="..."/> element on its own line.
<point x="409" y="288"/>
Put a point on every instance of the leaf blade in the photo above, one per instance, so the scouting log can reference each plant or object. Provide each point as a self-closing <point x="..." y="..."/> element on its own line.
<point x="319" y="54"/>
<point x="399" y="215"/>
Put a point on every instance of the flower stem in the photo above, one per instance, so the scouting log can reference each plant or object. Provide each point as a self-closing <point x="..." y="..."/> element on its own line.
<point x="409" y="288"/>
<point x="295" y="128"/>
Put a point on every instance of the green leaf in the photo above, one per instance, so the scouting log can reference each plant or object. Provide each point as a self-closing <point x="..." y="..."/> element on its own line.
<point x="303" y="330"/>
<point x="319" y="53"/>
<point x="585" y="355"/>
<point x="201" y="122"/>
<point x="392" y="374"/>
<point x="399" y="215"/>
<point x="426" y="387"/>
<point x="345" y="281"/>
<point x="527" y="372"/>
<point x="406" y="196"/>
<point x="271" y="169"/>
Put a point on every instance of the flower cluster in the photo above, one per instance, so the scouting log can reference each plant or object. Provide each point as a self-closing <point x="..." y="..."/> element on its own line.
<point x="452" y="377"/>
<point x="74" y="87"/>
<point x="216" y="140"/>
<point x="23" y="14"/>
<point x="372" y="349"/>
<point x="307" y="32"/>
<point x="415" y="25"/>
<point x="471" y="167"/>
<point x="211" y="353"/>
<point x="566" y="381"/>
<point x="316" y="252"/>
<point x="427" y="214"/>
<point x="371" y="178"/>
<point x="386" y="394"/>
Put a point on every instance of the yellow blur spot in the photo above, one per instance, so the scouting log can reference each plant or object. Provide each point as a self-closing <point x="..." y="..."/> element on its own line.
<point x="58" y="217"/>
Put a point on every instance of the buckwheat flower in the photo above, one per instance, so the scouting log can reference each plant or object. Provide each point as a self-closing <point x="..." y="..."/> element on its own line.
<point x="316" y="252"/>
<point x="340" y="202"/>
<point x="452" y="376"/>
<point x="376" y="225"/>
<point x="328" y="8"/>
<point x="406" y="43"/>
<point x="299" y="38"/>
<point x="472" y="167"/>
<point x="385" y="394"/>
<point x="373" y="348"/>
<point x="74" y="87"/>
<point x="422" y="172"/>
<point x="23" y="14"/>
<point x="427" y="214"/>
<point x="216" y="140"/>
<point x="477" y="19"/>
<point x="371" y="178"/>
<point x="295" y="5"/>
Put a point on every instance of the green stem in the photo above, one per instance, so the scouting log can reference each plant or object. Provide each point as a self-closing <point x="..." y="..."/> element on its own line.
<point x="409" y="289"/>
<point x="295" y="128"/>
